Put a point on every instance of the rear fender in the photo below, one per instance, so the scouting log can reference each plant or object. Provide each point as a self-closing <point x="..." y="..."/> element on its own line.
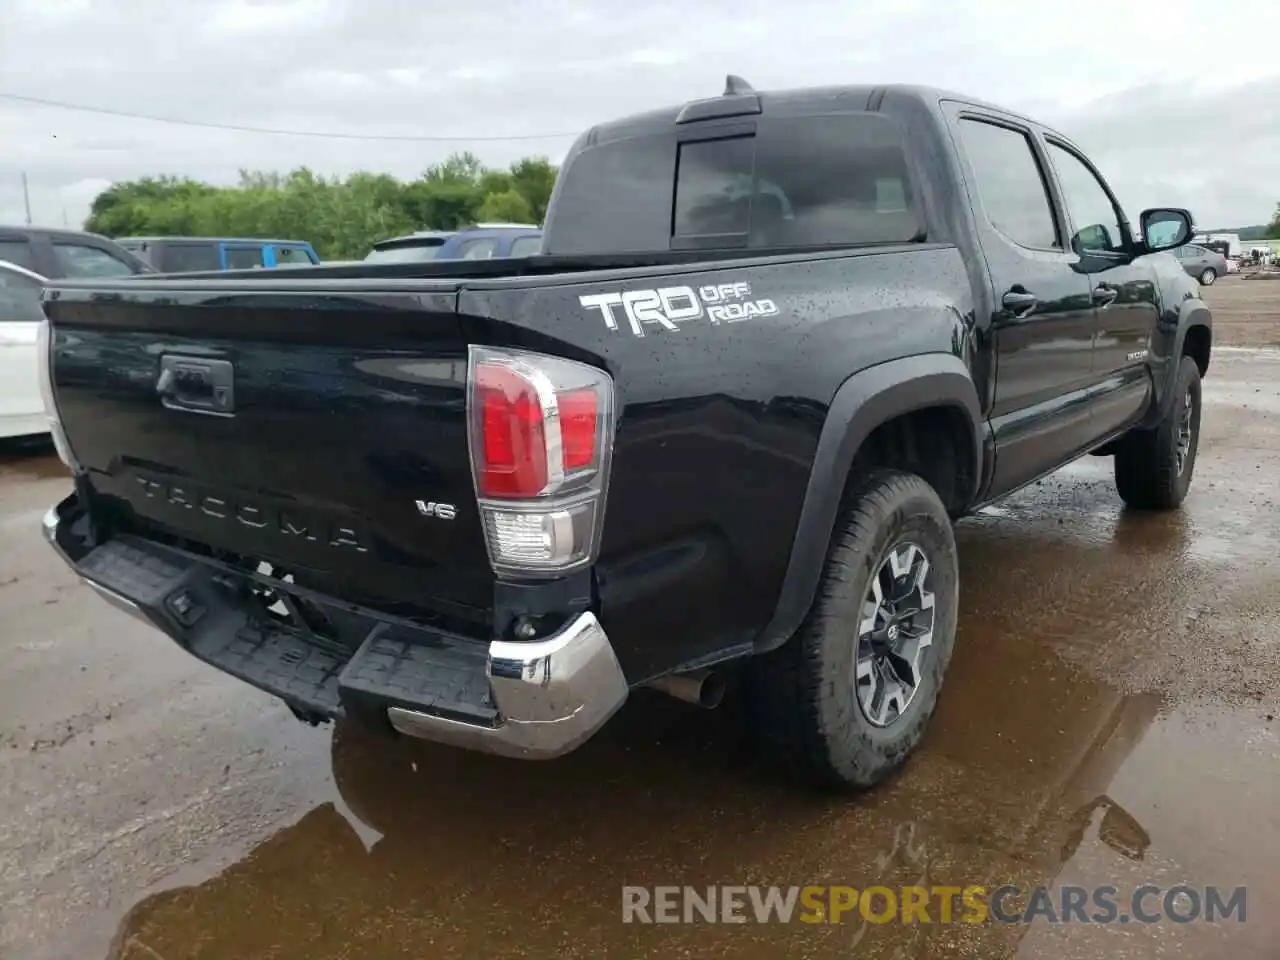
<point x="864" y="401"/>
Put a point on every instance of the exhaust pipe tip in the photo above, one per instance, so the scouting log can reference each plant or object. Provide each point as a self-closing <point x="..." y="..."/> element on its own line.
<point x="713" y="690"/>
<point x="702" y="688"/>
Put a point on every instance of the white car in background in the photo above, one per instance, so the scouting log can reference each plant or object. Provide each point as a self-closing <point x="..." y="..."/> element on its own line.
<point x="21" y="406"/>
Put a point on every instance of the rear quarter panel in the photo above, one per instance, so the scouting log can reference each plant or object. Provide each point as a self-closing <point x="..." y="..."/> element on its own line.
<point x="719" y="424"/>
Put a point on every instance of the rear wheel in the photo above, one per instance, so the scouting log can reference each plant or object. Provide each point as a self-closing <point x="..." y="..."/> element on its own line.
<point x="1209" y="275"/>
<point x="846" y="700"/>
<point x="1154" y="467"/>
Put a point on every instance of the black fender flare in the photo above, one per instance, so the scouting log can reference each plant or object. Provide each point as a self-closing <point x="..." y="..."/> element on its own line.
<point x="1192" y="313"/>
<point x="863" y="402"/>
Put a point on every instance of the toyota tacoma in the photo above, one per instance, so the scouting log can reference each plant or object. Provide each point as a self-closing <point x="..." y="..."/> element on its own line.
<point x="773" y="346"/>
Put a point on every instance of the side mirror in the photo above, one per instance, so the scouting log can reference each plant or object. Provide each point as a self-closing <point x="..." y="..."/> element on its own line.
<point x="1094" y="238"/>
<point x="1164" y="228"/>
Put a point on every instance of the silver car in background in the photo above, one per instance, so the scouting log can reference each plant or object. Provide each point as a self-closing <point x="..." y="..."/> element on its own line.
<point x="1202" y="263"/>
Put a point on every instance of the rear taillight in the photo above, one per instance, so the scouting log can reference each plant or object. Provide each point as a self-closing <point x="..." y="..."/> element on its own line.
<point x="541" y="433"/>
<point x="44" y="366"/>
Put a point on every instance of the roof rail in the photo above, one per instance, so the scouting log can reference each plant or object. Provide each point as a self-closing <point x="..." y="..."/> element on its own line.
<point x="738" y="100"/>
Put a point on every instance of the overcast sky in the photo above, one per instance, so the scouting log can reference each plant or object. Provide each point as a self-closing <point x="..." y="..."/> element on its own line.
<point x="1176" y="101"/>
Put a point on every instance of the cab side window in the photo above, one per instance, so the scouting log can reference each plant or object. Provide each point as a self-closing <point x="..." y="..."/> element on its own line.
<point x="79" y="260"/>
<point x="244" y="258"/>
<point x="291" y="256"/>
<point x="1010" y="186"/>
<point x="1093" y="214"/>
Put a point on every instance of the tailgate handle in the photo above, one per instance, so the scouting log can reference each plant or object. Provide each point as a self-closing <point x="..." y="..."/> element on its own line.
<point x="196" y="385"/>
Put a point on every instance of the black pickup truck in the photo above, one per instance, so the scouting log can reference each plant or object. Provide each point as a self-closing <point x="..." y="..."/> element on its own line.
<point x="773" y="346"/>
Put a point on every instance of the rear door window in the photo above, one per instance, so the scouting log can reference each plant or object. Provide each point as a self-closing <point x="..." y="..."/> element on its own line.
<point x="244" y="258"/>
<point x="1011" y="187"/>
<point x="81" y="260"/>
<point x="189" y="257"/>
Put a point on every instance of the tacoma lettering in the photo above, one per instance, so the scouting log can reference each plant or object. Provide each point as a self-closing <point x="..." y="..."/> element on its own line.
<point x="283" y="522"/>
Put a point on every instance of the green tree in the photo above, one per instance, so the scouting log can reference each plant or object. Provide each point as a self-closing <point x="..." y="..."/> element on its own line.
<point x="534" y="178"/>
<point x="1273" y="228"/>
<point x="342" y="218"/>
<point x="507" y="207"/>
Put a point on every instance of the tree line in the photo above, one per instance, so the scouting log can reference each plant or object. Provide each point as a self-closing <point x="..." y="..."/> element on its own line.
<point x="341" y="217"/>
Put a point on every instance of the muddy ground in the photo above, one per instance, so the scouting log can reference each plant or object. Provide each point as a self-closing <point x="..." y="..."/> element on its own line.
<point x="1109" y="718"/>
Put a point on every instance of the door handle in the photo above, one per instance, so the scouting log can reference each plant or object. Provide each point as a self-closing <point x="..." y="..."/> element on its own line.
<point x="1104" y="295"/>
<point x="1019" y="302"/>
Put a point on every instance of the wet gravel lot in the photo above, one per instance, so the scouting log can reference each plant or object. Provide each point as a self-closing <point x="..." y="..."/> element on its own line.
<point x="1109" y="718"/>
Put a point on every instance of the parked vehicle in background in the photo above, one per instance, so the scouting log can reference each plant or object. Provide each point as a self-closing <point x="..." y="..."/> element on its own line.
<point x="774" y="345"/>
<point x="1228" y="244"/>
<point x="1233" y="265"/>
<point x="1202" y="263"/>
<point x="67" y="254"/>
<point x="21" y="406"/>
<point x="484" y="241"/>
<point x="187" y="254"/>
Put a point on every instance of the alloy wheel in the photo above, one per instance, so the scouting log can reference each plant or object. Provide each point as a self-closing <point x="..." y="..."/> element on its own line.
<point x="895" y="634"/>
<point x="1182" y="445"/>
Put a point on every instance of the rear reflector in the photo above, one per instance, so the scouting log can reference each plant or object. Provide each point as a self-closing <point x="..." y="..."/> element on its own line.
<point x="578" y="413"/>
<point x="541" y="435"/>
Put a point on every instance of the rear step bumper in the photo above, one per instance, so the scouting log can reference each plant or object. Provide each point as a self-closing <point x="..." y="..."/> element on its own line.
<point x="535" y="700"/>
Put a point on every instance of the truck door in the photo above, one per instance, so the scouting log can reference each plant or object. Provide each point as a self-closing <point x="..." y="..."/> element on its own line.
<point x="1125" y="292"/>
<point x="1043" y="321"/>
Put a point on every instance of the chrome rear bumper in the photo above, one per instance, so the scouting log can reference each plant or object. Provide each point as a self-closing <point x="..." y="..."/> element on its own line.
<point x="551" y="696"/>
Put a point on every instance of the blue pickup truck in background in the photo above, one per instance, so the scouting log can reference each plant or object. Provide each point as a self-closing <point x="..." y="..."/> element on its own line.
<point x="183" y="254"/>
<point x="482" y="241"/>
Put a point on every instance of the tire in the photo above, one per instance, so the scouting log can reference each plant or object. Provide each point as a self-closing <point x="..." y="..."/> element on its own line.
<point x="1154" y="467"/>
<point x="1208" y="277"/>
<point x="806" y="704"/>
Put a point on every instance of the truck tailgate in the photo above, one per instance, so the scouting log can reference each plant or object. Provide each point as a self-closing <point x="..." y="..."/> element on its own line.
<point x="319" y="433"/>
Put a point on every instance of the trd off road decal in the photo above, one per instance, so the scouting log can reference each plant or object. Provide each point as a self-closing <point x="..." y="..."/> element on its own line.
<point x="668" y="307"/>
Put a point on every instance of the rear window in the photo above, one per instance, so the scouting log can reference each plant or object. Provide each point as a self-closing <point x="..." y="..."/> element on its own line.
<point x="185" y="257"/>
<point x="411" y="251"/>
<point x="793" y="182"/>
